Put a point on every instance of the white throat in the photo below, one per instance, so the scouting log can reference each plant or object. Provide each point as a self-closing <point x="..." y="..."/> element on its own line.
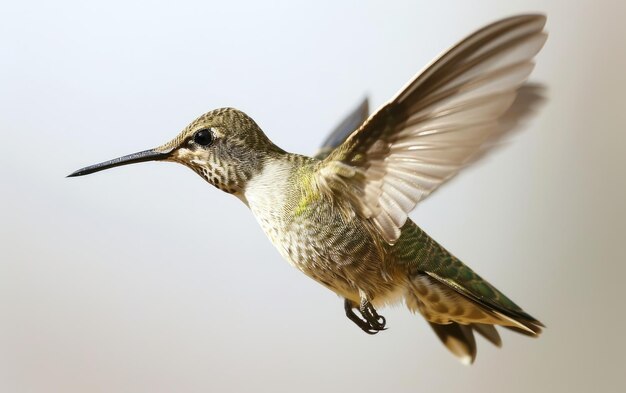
<point x="267" y="190"/>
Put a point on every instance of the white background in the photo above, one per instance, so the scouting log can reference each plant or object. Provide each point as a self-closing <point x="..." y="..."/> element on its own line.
<point x="146" y="279"/>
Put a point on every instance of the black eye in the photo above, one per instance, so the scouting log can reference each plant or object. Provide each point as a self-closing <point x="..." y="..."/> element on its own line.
<point x="203" y="137"/>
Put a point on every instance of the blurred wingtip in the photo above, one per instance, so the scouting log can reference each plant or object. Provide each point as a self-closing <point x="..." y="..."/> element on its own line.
<point x="342" y="131"/>
<point x="530" y="98"/>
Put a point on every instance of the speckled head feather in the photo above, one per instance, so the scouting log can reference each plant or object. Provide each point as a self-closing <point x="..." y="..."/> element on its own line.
<point x="238" y="149"/>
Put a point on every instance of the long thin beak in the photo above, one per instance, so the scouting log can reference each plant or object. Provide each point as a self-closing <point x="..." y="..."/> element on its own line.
<point x="142" y="156"/>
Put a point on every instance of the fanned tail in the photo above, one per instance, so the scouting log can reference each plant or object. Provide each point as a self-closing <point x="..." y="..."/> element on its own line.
<point x="455" y="316"/>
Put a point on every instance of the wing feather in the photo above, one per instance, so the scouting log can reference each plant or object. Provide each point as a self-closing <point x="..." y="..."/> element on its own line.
<point x="344" y="129"/>
<point x="435" y="125"/>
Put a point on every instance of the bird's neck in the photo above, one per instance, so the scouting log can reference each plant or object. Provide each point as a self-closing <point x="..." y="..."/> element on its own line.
<point x="276" y="183"/>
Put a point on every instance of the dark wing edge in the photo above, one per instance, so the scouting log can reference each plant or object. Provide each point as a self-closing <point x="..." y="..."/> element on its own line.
<point x="343" y="130"/>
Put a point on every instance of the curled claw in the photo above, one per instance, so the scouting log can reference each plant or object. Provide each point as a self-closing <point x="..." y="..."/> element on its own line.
<point x="381" y="321"/>
<point x="371" y="323"/>
<point x="368" y="311"/>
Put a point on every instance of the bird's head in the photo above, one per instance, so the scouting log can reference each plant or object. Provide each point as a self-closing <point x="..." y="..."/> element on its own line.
<point x="225" y="146"/>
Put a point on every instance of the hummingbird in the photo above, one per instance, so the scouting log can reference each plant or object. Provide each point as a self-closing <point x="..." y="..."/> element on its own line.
<point x="341" y="216"/>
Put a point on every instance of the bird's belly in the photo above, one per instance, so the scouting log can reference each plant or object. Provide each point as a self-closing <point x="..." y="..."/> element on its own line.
<point x="339" y="254"/>
<point x="391" y="297"/>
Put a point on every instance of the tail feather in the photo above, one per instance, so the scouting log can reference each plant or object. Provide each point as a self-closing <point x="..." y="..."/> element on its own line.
<point x="459" y="339"/>
<point x="530" y="333"/>
<point x="489" y="332"/>
<point x="453" y="298"/>
<point x="504" y="311"/>
<point x="454" y="316"/>
<point x="527" y="326"/>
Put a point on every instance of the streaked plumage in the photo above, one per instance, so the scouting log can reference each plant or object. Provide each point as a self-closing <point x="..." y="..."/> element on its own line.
<point x="342" y="217"/>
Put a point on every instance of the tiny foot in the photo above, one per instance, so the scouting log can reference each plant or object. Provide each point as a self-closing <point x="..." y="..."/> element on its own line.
<point x="372" y="322"/>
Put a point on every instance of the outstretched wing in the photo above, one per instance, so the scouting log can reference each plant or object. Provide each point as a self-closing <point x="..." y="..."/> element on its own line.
<point x="440" y="120"/>
<point x="347" y="126"/>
